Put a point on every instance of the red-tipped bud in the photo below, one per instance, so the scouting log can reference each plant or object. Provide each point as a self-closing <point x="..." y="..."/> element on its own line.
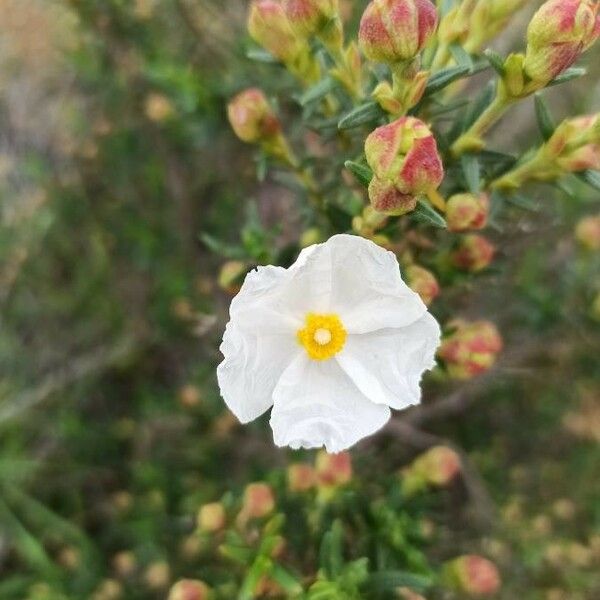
<point x="393" y="31"/>
<point x="473" y="575"/>
<point x="333" y="469"/>
<point x="308" y="17"/>
<point x="467" y="211"/>
<point x="587" y="232"/>
<point x="268" y="26"/>
<point x="438" y="466"/>
<point x="385" y="198"/>
<point x="211" y="517"/>
<point x="470" y="349"/>
<point x="189" y="589"/>
<point x="557" y="34"/>
<point x="402" y="155"/>
<point x="252" y="117"/>
<point x="423" y="282"/>
<point x="259" y="501"/>
<point x="474" y="253"/>
<point x="301" y="477"/>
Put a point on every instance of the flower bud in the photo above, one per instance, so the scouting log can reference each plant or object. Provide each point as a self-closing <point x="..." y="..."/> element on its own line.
<point x="587" y="232"/>
<point x="439" y="465"/>
<point x="211" y="517"/>
<point x="474" y="253"/>
<point x="189" y="589"/>
<point x="557" y="34"/>
<point x="403" y="155"/>
<point x="333" y="469"/>
<point x="258" y="501"/>
<point x="301" y="477"/>
<point x="423" y="282"/>
<point x="470" y="349"/>
<point x="268" y="26"/>
<point x="252" y="117"/>
<point x="231" y="275"/>
<point x="157" y="575"/>
<point x="467" y="211"/>
<point x="308" y="17"/>
<point x="472" y="575"/>
<point x="158" y="107"/>
<point x="393" y="31"/>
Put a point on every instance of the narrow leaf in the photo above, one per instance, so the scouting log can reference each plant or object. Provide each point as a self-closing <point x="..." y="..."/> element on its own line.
<point x="461" y="56"/>
<point x="260" y="55"/>
<point x="390" y="580"/>
<point x="318" y="91"/>
<point x="366" y="113"/>
<point x="361" y="172"/>
<point x="544" y="118"/>
<point x="522" y="202"/>
<point x="592" y="178"/>
<point x="495" y="60"/>
<point x="472" y="172"/>
<point x="443" y="78"/>
<point x="568" y="75"/>
<point x="426" y="214"/>
<point x="483" y="100"/>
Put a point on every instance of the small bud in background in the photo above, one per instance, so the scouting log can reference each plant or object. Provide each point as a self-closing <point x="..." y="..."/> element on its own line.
<point x="158" y="107"/>
<point x="124" y="563"/>
<point x="423" y="282"/>
<point x="70" y="558"/>
<point x="189" y="589"/>
<point x="309" y="17"/>
<point x="467" y="211"/>
<point x="157" y="575"/>
<point x="564" y="509"/>
<point x="470" y="349"/>
<point x="403" y="155"/>
<point x="109" y="589"/>
<point x="473" y="575"/>
<point x="301" y="477"/>
<point x="474" y="253"/>
<point x="587" y="232"/>
<point x="435" y="468"/>
<point x="557" y="34"/>
<point x="333" y="469"/>
<point x="311" y="236"/>
<point x="394" y="31"/>
<point x="252" y="117"/>
<point x="268" y="26"/>
<point x="211" y="517"/>
<point x="258" y="501"/>
<point x="189" y="396"/>
<point x="231" y="276"/>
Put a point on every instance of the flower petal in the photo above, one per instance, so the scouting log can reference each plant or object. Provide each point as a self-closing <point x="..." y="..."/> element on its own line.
<point x="316" y="404"/>
<point x="387" y="365"/>
<point x="252" y="366"/>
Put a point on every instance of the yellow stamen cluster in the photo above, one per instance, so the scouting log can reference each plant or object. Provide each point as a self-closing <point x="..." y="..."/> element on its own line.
<point x="323" y="336"/>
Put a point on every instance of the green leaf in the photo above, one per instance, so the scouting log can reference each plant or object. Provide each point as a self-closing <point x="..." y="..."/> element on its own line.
<point x="318" y="91"/>
<point x="361" y="172"/>
<point x="221" y="248"/>
<point x="426" y="214"/>
<point x="568" y="75"/>
<point x="365" y="113"/>
<point x="483" y="100"/>
<point x="522" y="202"/>
<point x="390" y="580"/>
<point x="461" y="56"/>
<point x="544" y="118"/>
<point x="443" y="78"/>
<point x="495" y="60"/>
<point x="471" y="171"/>
<point x="592" y="178"/>
<point x="287" y="581"/>
<point x="261" y="55"/>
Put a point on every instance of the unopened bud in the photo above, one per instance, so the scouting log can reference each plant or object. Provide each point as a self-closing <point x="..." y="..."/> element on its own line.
<point x="435" y="468"/>
<point x="333" y="469"/>
<point x="423" y="282"/>
<point x="124" y="563"/>
<point x="231" y="276"/>
<point x="474" y="253"/>
<point x="189" y="589"/>
<point x="587" y="232"/>
<point x="309" y="17"/>
<point x="557" y="34"/>
<point x="393" y="31"/>
<point x="158" y="107"/>
<point x="211" y="517"/>
<point x="189" y="396"/>
<point x="259" y="501"/>
<point x="157" y="575"/>
<point x="311" y="236"/>
<point x="470" y="349"/>
<point x="472" y="575"/>
<point x="467" y="211"/>
<point x="301" y="477"/>
<point x="252" y="117"/>
<point x="403" y="156"/>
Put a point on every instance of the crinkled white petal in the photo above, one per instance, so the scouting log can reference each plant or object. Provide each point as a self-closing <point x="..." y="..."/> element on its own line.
<point x="355" y="278"/>
<point x="387" y="365"/>
<point x="316" y="404"/>
<point x="252" y="367"/>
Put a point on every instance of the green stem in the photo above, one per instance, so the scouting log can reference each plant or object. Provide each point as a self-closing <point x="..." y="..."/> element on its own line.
<point x="539" y="163"/>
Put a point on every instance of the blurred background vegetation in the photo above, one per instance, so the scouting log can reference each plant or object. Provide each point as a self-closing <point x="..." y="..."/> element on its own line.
<point x="116" y="162"/>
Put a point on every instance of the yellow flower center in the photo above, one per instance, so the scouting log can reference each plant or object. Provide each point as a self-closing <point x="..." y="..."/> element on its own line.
<point x="323" y="336"/>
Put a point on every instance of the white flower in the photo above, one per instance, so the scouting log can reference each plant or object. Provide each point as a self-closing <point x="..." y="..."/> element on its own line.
<point x="330" y="343"/>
